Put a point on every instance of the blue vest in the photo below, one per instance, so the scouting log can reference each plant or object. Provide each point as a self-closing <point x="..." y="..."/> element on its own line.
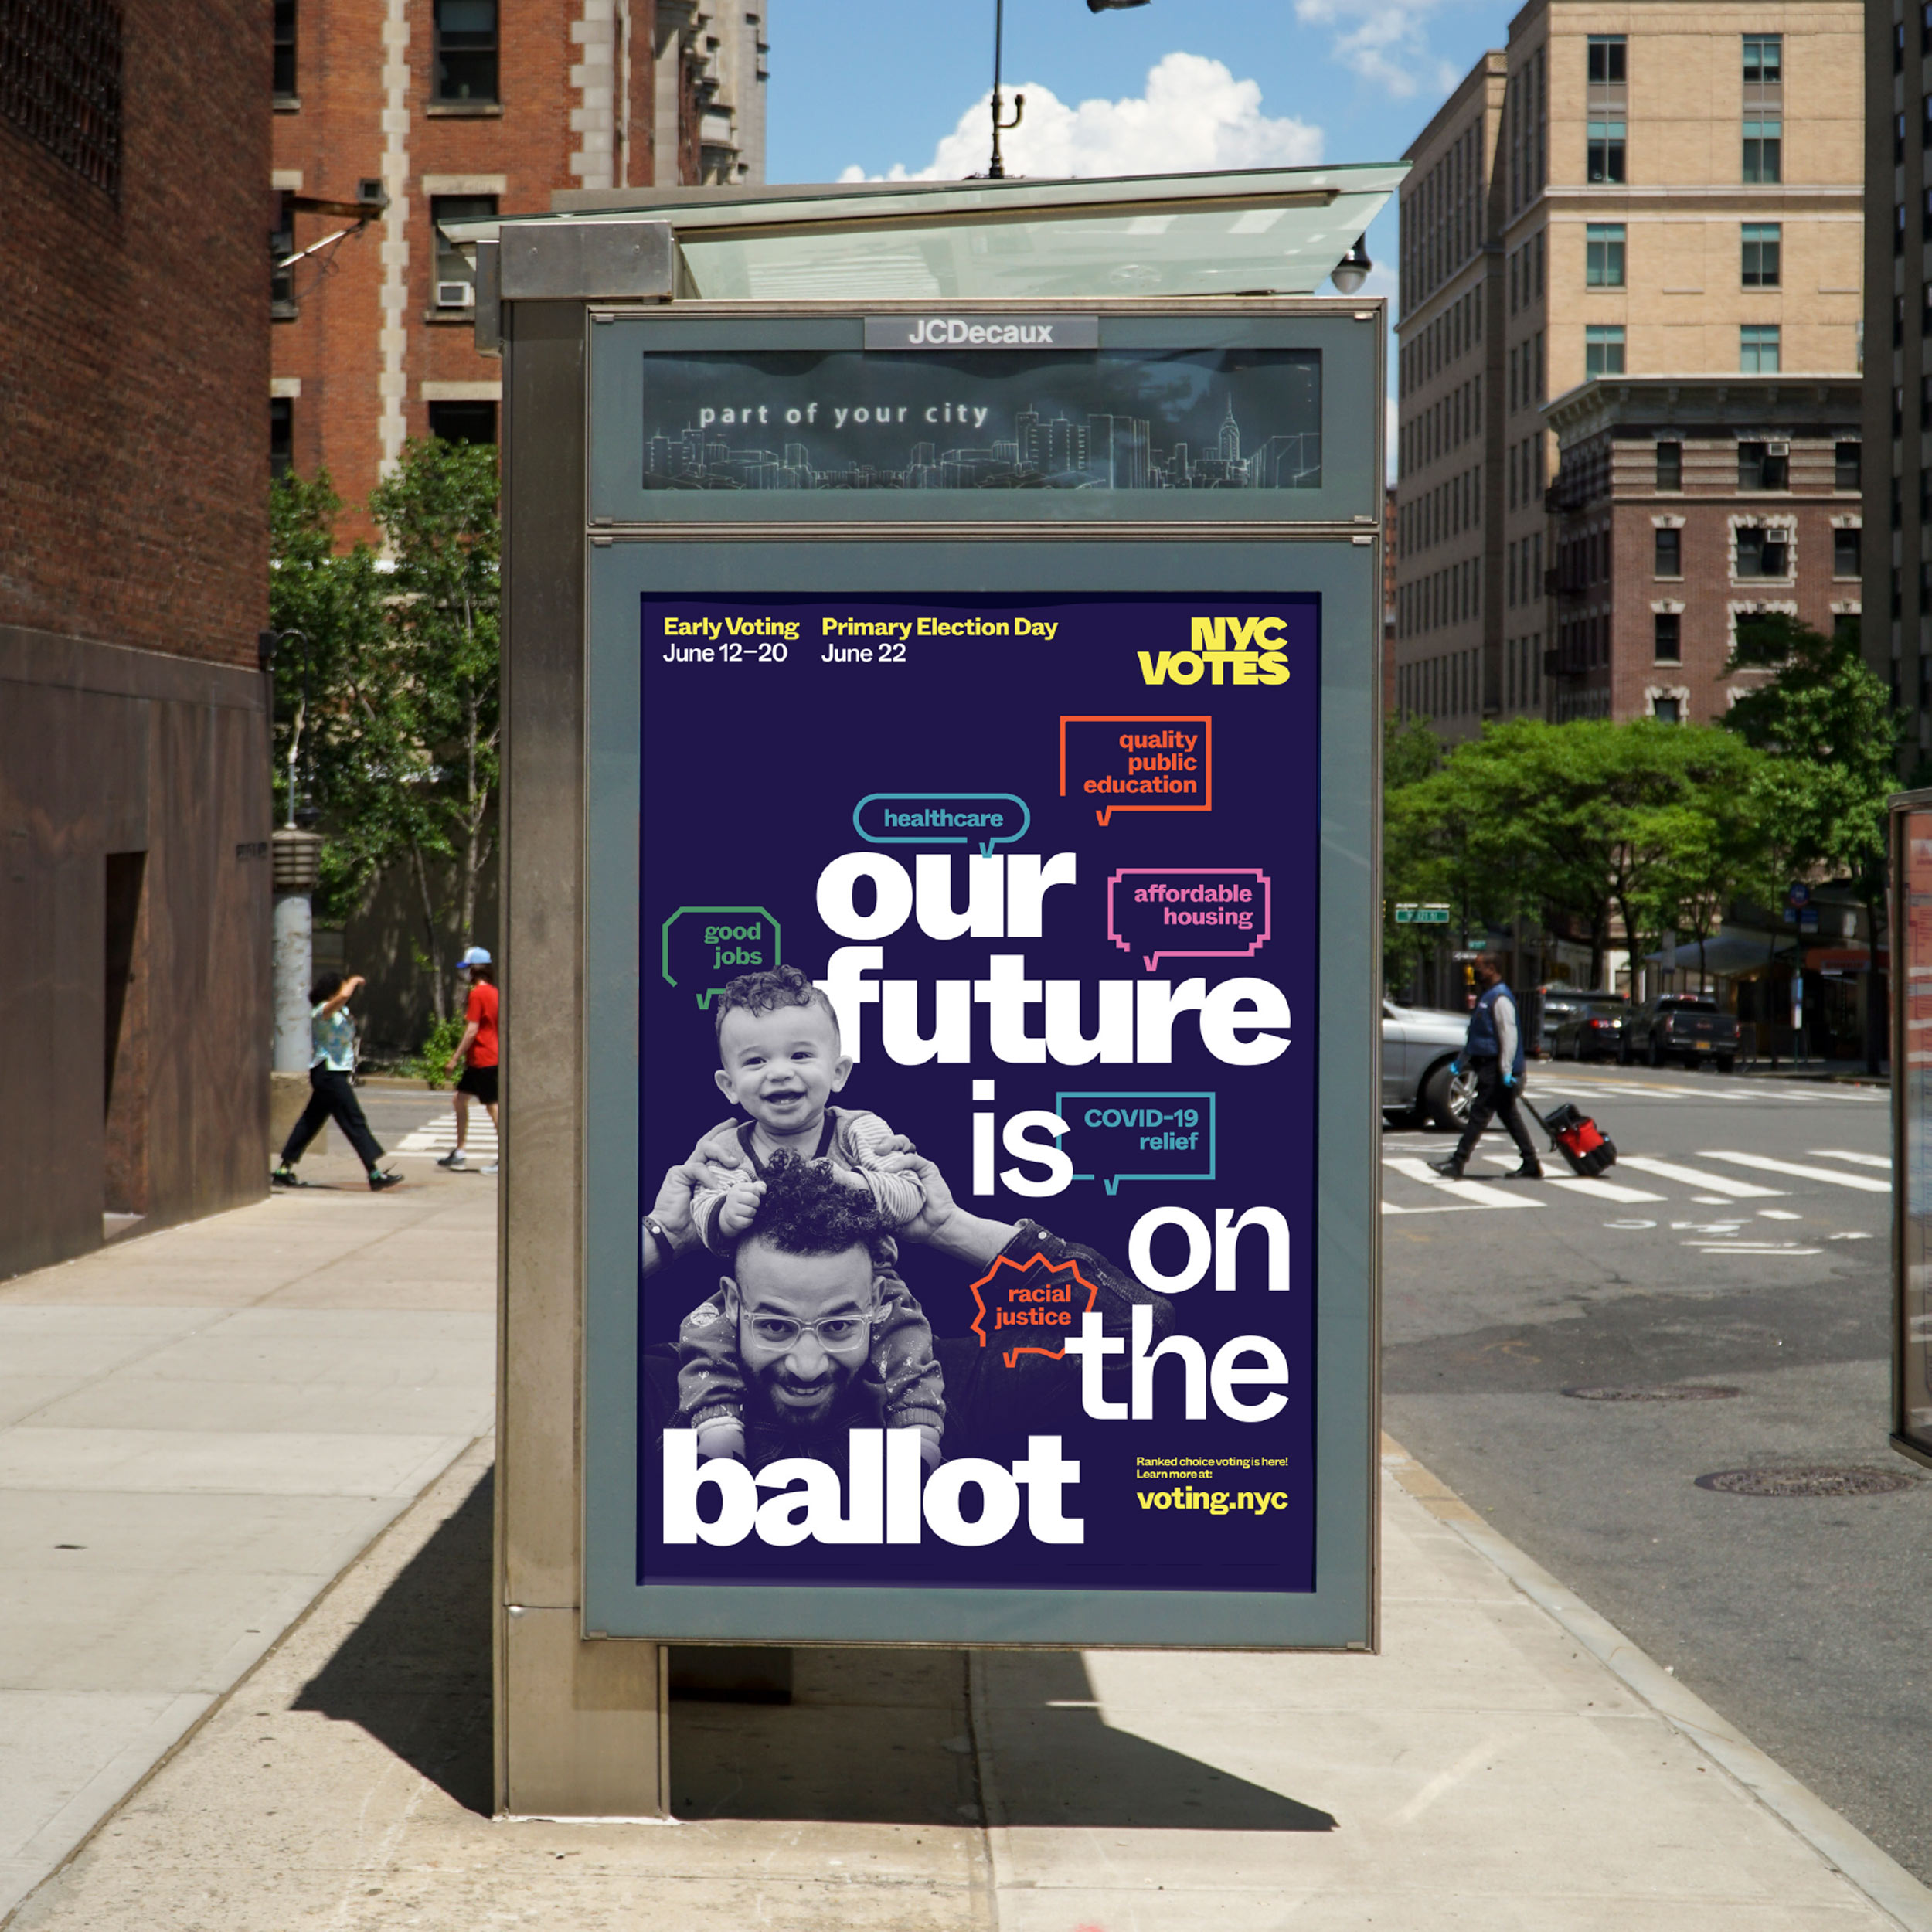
<point x="1484" y="1043"/>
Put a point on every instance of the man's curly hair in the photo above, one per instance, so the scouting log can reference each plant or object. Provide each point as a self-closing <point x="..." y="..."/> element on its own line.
<point x="807" y="1210"/>
<point x="755" y="993"/>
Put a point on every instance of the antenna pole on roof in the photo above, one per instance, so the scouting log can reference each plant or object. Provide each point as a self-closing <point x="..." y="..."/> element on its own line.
<point x="996" y="169"/>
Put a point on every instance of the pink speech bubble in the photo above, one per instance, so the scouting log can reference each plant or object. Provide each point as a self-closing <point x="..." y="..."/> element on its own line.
<point x="1189" y="912"/>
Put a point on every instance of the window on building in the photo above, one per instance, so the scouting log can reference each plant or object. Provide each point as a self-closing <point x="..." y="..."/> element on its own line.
<point x="1763" y="60"/>
<point x="1898" y="228"/>
<point x="1897" y="500"/>
<point x="1604" y="254"/>
<point x="1605" y="157"/>
<point x="281" y="244"/>
<point x="466" y="50"/>
<point x="1898" y="47"/>
<point x="1847" y="553"/>
<point x="1847" y="468"/>
<point x="1762" y="241"/>
<point x="1757" y="348"/>
<point x="1925" y="28"/>
<point x="1667" y="636"/>
<point x="1602" y="350"/>
<point x="1666" y="710"/>
<point x="1761" y="553"/>
<point x="1607" y="53"/>
<point x="1898" y="137"/>
<point x="281" y="435"/>
<point x="455" y="277"/>
<point x="61" y="84"/>
<point x="1763" y="466"/>
<point x="1670" y="466"/>
<point x="284" y="49"/>
<point x="1898" y="321"/>
<point x="1763" y="148"/>
<point x="1670" y="553"/>
<point x="463" y="422"/>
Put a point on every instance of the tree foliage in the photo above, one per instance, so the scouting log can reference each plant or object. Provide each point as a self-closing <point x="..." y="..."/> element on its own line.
<point x="389" y="699"/>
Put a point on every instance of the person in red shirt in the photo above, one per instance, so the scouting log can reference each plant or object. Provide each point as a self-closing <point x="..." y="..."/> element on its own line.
<point x="477" y="1051"/>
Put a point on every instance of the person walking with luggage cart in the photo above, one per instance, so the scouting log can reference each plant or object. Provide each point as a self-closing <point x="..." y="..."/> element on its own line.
<point x="1493" y="1051"/>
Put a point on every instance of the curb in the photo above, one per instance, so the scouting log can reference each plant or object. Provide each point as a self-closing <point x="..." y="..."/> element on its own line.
<point x="1842" y="1846"/>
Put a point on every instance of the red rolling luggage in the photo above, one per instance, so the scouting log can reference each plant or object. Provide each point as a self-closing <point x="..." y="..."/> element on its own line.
<point x="1579" y="1139"/>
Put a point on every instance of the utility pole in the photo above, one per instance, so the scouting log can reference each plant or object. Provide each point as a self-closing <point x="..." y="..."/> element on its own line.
<point x="297" y="861"/>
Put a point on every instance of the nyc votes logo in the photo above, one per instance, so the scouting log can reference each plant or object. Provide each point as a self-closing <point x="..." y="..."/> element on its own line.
<point x="1225" y="651"/>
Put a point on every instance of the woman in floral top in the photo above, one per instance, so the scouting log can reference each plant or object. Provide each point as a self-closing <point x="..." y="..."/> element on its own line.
<point x="330" y="1094"/>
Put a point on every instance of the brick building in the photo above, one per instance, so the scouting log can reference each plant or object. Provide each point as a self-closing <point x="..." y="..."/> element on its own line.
<point x="1641" y="188"/>
<point x="457" y="110"/>
<point x="1680" y="507"/>
<point x="133" y="749"/>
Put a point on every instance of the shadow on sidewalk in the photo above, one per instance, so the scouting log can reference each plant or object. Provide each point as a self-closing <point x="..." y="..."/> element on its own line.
<point x="415" y="1674"/>
<point x="894" y="1737"/>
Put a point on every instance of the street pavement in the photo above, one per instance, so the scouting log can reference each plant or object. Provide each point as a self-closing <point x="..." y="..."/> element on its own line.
<point x="200" y="1428"/>
<point x="1510" y="1759"/>
<point x="1734" y="1259"/>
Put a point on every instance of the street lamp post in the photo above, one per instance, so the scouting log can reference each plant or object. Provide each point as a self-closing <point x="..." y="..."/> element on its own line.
<point x="996" y="168"/>
<point x="296" y="863"/>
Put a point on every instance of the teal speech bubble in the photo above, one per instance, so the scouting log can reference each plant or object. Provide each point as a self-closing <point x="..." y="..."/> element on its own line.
<point x="1138" y="1136"/>
<point x="712" y="945"/>
<point x="985" y="818"/>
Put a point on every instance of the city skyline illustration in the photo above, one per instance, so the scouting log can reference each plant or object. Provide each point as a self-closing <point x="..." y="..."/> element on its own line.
<point x="1099" y="450"/>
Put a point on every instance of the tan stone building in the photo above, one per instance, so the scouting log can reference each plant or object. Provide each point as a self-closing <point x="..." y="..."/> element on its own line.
<point x="1648" y="189"/>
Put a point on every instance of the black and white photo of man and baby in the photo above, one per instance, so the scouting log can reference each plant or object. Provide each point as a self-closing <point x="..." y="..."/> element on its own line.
<point x="806" y="1208"/>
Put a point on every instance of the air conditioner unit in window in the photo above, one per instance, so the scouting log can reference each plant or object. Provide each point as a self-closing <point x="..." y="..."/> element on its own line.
<point x="456" y="295"/>
<point x="1777" y="449"/>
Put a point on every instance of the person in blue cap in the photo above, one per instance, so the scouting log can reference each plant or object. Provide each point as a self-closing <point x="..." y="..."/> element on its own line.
<point x="477" y="1051"/>
<point x="1493" y="1051"/>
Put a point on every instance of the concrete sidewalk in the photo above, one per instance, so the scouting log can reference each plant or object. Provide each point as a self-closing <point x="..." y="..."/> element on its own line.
<point x="243" y="1404"/>
<point x="198" y="1430"/>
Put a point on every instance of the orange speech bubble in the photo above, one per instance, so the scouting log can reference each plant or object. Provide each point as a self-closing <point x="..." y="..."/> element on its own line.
<point x="1138" y="764"/>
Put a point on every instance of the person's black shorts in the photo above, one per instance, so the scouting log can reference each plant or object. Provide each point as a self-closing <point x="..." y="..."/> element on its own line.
<point x="480" y="1083"/>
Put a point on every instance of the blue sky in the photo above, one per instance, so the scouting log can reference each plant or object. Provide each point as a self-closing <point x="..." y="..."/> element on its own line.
<point x="874" y="85"/>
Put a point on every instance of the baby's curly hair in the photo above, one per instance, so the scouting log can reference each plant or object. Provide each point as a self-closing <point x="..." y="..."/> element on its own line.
<point x="806" y="1209"/>
<point x="766" y="992"/>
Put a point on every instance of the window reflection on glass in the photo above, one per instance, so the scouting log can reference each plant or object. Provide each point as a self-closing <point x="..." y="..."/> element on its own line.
<point x="1913" y="869"/>
<point x="466" y="50"/>
<point x="1604" y="254"/>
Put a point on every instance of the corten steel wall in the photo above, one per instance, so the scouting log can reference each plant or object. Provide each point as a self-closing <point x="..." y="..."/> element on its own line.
<point x="132" y="578"/>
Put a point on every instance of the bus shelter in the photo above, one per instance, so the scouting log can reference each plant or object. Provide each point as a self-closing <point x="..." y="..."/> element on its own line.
<point x="943" y="669"/>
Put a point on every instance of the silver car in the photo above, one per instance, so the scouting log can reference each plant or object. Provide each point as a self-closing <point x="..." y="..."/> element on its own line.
<point x="1417" y="1047"/>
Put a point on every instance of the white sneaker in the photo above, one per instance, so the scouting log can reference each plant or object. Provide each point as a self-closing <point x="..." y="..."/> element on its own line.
<point x="489" y="1166"/>
<point x="453" y="1158"/>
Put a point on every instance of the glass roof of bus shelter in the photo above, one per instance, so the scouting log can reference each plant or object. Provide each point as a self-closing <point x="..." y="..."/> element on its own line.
<point x="1274" y="231"/>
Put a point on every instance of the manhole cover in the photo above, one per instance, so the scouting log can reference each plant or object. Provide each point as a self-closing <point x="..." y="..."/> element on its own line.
<point x="1806" y="1482"/>
<point x="1669" y="1392"/>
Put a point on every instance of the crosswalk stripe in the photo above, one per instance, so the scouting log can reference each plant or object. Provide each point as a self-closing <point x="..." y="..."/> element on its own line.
<point x="1764" y="1162"/>
<point x="1471" y="1190"/>
<point x="1603" y="1190"/>
<point x="1696" y="1177"/>
<point x="1843" y="1153"/>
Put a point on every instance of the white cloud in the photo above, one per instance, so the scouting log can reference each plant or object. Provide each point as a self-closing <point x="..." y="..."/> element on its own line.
<point x="1384" y="41"/>
<point x="1194" y="115"/>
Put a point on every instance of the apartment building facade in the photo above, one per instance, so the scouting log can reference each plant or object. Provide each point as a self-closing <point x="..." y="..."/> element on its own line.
<point x="1672" y="191"/>
<point x="1898" y="387"/>
<point x="134" y="862"/>
<point x="409" y="115"/>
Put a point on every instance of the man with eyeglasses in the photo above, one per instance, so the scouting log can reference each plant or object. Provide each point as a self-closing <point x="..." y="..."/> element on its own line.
<point x="804" y="1290"/>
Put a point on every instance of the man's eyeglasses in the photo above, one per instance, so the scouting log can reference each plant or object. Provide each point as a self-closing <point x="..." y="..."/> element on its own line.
<point x="833" y="1330"/>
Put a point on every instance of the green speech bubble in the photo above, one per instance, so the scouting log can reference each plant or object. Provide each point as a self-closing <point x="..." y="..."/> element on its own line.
<point x="717" y="945"/>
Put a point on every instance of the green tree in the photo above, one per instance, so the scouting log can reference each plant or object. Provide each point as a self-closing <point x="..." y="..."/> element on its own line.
<point x="438" y="511"/>
<point x="1833" y="735"/>
<point x="333" y="604"/>
<point x="1411" y="753"/>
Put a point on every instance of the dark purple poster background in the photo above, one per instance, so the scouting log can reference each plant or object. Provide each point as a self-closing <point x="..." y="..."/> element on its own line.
<point x="757" y="752"/>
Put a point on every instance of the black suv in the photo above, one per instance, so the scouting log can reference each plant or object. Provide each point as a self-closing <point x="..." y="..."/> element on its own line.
<point x="1680" y="1026"/>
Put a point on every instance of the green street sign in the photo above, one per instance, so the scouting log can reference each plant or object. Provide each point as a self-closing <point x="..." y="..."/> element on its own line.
<point x="1413" y="915"/>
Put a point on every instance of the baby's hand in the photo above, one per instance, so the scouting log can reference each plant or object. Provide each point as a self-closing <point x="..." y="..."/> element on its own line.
<point x="741" y="1207"/>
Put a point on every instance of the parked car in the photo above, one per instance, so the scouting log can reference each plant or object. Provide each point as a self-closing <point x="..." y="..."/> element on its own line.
<point x="1557" y="1006"/>
<point x="1685" y="1026"/>
<point x="1594" y="1029"/>
<point x="1417" y="1046"/>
